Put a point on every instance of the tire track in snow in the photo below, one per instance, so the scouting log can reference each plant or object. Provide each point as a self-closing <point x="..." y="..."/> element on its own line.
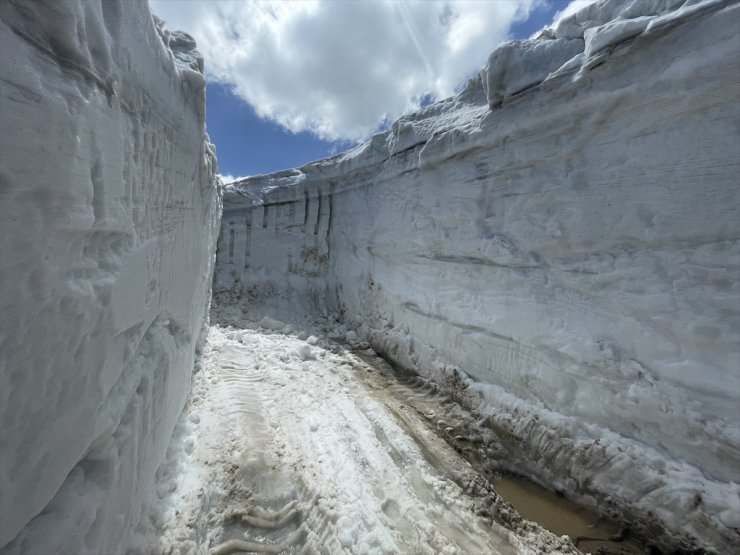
<point x="300" y="450"/>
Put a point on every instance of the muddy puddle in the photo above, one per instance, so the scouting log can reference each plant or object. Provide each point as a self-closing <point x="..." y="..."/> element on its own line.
<point x="562" y="517"/>
<point x="480" y="447"/>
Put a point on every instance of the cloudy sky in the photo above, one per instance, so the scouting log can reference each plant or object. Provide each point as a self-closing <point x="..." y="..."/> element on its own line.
<point x="294" y="81"/>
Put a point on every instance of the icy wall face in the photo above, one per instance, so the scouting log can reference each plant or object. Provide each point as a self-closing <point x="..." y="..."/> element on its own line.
<point x="577" y="247"/>
<point x="274" y="245"/>
<point x="109" y="212"/>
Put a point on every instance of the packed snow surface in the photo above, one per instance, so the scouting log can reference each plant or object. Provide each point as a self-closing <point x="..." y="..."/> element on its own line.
<point x="575" y="251"/>
<point x="108" y="216"/>
<point x="294" y="442"/>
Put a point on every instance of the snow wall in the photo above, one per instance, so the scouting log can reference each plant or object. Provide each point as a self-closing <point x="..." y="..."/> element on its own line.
<point x="109" y="212"/>
<point x="564" y="232"/>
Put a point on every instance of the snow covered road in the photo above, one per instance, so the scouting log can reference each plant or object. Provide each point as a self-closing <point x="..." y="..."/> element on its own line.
<point x="295" y="443"/>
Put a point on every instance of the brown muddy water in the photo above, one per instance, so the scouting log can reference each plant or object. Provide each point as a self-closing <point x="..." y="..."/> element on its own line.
<point x="589" y="533"/>
<point x="419" y="403"/>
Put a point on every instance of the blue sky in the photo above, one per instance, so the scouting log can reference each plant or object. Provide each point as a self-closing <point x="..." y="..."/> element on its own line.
<point x="291" y="82"/>
<point x="247" y="144"/>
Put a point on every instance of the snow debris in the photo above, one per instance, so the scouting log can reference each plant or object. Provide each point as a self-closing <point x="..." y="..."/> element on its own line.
<point x="306" y="353"/>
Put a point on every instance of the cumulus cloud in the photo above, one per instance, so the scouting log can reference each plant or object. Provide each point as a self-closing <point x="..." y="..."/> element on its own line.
<point x="570" y="9"/>
<point x="227" y="178"/>
<point x="340" y="69"/>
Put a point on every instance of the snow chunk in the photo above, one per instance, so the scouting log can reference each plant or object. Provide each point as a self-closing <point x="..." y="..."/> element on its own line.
<point x="598" y="38"/>
<point x="272" y="324"/>
<point x="519" y="65"/>
<point x="600" y="13"/>
<point x="346" y="531"/>
<point x="305" y="352"/>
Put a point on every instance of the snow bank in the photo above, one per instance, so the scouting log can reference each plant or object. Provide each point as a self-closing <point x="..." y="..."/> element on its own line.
<point x="580" y="41"/>
<point x="275" y="245"/>
<point x="109" y="211"/>
<point x="577" y="248"/>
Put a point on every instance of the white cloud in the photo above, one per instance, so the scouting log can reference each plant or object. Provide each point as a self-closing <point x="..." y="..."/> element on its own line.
<point x="570" y="9"/>
<point x="227" y="178"/>
<point x="339" y="68"/>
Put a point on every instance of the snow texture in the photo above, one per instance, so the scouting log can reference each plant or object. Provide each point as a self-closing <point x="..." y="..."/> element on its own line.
<point x="279" y="454"/>
<point x="575" y="251"/>
<point x="109" y="210"/>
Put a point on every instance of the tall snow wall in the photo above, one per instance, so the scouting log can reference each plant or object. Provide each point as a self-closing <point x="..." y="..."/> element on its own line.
<point x="109" y="211"/>
<point x="565" y="233"/>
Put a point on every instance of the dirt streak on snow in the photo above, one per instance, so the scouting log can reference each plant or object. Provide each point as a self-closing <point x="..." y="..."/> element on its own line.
<point x="289" y="445"/>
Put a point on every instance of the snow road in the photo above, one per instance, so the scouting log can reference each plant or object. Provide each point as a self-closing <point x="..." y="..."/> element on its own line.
<point x="298" y="443"/>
